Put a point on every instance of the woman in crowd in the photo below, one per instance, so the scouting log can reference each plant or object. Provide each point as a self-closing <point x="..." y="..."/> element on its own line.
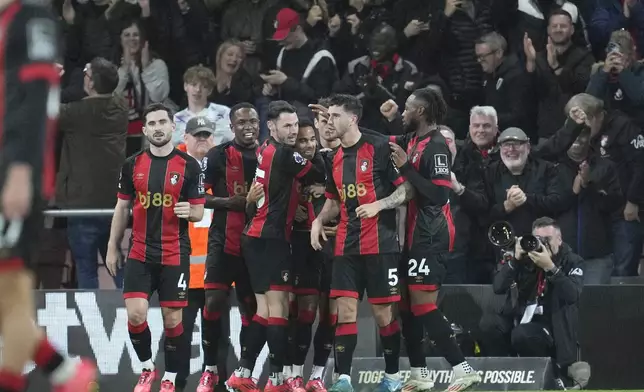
<point x="233" y="83"/>
<point x="143" y="78"/>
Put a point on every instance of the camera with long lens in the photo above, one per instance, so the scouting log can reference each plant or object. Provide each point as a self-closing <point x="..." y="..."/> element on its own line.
<point x="530" y="243"/>
<point x="501" y="235"/>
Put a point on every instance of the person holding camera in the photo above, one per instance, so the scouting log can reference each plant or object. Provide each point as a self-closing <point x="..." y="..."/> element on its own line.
<point x="619" y="79"/>
<point x="542" y="282"/>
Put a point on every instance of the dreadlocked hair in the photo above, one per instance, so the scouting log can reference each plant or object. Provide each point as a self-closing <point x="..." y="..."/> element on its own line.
<point x="434" y="104"/>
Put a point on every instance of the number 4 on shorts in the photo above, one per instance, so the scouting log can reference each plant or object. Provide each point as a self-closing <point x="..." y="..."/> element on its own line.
<point x="416" y="268"/>
<point x="182" y="282"/>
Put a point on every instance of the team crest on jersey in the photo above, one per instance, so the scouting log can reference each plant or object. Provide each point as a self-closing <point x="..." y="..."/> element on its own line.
<point x="285" y="276"/>
<point x="299" y="158"/>
<point x="364" y="165"/>
<point x="259" y="159"/>
<point x="174" y="178"/>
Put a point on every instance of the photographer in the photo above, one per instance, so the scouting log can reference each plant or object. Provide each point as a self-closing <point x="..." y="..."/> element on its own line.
<point x="542" y="283"/>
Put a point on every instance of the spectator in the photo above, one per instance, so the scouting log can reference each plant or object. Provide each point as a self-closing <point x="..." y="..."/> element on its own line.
<point x="411" y="21"/>
<point x="540" y="317"/>
<point x="596" y="198"/>
<point x="506" y="85"/>
<point x="89" y="29"/>
<point x="94" y="131"/>
<point x="453" y="31"/>
<point x="477" y="153"/>
<point x="615" y="137"/>
<point x="519" y="188"/>
<point x="609" y="16"/>
<point x="557" y="73"/>
<point x="179" y="33"/>
<point x="243" y="21"/>
<point x="530" y="18"/>
<point x="143" y="78"/>
<point x="304" y="73"/>
<point x="233" y="84"/>
<point x="378" y="77"/>
<point x="198" y="83"/>
<point x="362" y="17"/>
<point x="619" y="81"/>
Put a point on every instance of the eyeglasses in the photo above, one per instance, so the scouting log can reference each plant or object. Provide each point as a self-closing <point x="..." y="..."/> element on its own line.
<point x="482" y="57"/>
<point x="512" y="145"/>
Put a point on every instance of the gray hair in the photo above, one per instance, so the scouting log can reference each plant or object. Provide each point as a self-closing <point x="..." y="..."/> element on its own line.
<point x="486" y="111"/>
<point x="494" y="40"/>
<point x="448" y="129"/>
<point x="591" y="105"/>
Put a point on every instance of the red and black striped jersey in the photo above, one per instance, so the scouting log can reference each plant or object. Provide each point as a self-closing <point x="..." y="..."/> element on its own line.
<point x="230" y="169"/>
<point x="29" y="92"/>
<point x="430" y="226"/>
<point x="155" y="184"/>
<point x="363" y="174"/>
<point x="313" y="204"/>
<point x="279" y="168"/>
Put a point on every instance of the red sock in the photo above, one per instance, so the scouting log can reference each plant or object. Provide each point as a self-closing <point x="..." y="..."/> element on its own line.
<point x="11" y="382"/>
<point x="46" y="357"/>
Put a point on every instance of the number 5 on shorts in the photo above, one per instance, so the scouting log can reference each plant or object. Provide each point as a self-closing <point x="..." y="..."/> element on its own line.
<point x="415" y="267"/>
<point x="393" y="276"/>
<point x="182" y="282"/>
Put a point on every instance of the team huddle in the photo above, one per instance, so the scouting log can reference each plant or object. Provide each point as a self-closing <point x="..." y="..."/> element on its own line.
<point x="302" y="226"/>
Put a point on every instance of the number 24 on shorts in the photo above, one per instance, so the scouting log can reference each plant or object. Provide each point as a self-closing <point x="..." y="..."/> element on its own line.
<point x="416" y="267"/>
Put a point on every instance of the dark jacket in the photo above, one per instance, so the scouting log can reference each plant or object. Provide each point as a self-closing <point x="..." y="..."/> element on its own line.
<point x="94" y="130"/>
<point x="469" y="168"/>
<point x="624" y="92"/>
<point x="554" y="91"/>
<point x="508" y="90"/>
<point x="375" y="84"/>
<point x="539" y="181"/>
<point x="608" y="16"/>
<point x="243" y="88"/>
<point x="300" y="88"/>
<point x="531" y="17"/>
<point x="560" y="298"/>
<point x="618" y="140"/>
<point x="587" y="223"/>
<point x="452" y="41"/>
<point x="621" y="141"/>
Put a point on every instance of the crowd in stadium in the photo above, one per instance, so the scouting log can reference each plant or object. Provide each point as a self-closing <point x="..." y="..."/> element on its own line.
<point x="535" y="110"/>
<point x="498" y="64"/>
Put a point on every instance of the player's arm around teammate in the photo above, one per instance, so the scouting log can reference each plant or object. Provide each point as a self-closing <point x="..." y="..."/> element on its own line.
<point x="190" y="212"/>
<point x="427" y="164"/>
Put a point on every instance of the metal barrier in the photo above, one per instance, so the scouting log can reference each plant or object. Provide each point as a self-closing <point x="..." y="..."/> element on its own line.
<point x="80" y="212"/>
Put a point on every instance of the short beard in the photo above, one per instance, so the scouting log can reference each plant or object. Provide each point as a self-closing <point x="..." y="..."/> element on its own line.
<point x="159" y="144"/>
<point x="411" y="126"/>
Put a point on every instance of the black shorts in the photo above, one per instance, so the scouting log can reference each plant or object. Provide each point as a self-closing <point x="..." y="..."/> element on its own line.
<point x="326" y="274"/>
<point x="17" y="240"/>
<point x="269" y="264"/>
<point x="423" y="270"/>
<point x="307" y="265"/>
<point x="223" y="269"/>
<point x="378" y="274"/>
<point x="171" y="282"/>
